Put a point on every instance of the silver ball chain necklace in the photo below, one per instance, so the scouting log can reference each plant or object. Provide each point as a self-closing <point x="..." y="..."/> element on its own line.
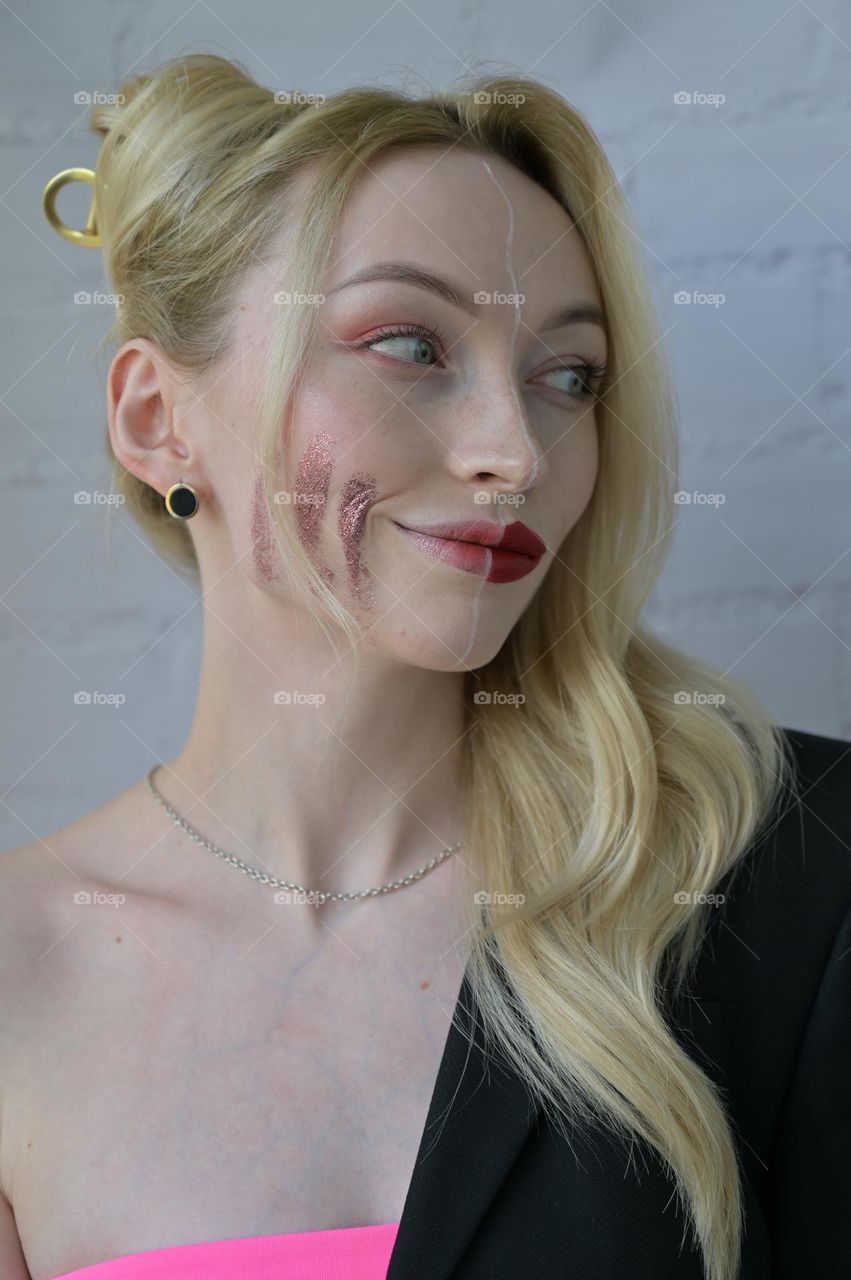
<point x="317" y="895"/>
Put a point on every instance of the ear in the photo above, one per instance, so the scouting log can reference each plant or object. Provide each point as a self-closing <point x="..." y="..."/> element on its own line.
<point x="144" y="398"/>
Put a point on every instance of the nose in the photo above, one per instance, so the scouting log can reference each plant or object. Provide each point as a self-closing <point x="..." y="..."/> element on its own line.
<point x="494" y="446"/>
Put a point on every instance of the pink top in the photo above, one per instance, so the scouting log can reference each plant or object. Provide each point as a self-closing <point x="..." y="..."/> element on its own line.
<point x="353" y="1253"/>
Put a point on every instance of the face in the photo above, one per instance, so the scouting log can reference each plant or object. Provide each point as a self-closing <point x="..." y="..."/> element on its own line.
<point x="443" y="441"/>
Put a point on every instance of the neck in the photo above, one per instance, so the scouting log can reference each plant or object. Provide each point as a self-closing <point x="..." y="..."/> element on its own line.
<point x="350" y="784"/>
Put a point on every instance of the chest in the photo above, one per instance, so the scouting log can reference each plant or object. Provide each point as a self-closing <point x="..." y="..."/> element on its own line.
<point x="198" y="1105"/>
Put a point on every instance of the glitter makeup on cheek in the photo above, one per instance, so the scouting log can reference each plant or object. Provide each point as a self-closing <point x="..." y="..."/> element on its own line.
<point x="357" y="497"/>
<point x="311" y="488"/>
<point x="311" y="493"/>
<point x="263" y="548"/>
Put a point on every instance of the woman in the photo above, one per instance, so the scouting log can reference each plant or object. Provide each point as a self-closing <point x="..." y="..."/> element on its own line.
<point x="490" y="996"/>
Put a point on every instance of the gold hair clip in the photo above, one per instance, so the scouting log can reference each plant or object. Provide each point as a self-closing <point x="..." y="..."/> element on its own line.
<point x="89" y="235"/>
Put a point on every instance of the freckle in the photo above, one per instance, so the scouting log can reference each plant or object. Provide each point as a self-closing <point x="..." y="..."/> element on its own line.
<point x="119" y="939"/>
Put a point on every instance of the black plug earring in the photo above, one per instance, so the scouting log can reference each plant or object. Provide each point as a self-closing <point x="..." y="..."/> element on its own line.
<point x="181" y="501"/>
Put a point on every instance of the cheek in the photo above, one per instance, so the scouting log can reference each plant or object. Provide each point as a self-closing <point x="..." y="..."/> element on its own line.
<point x="357" y="497"/>
<point x="262" y="547"/>
<point x="312" y="482"/>
<point x="575" y="474"/>
<point x="333" y="405"/>
<point x="587" y="458"/>
<point x="367" y="421"/>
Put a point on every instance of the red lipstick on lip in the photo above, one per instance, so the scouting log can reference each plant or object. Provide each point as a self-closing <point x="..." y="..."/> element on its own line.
<point x="498" y="552"/>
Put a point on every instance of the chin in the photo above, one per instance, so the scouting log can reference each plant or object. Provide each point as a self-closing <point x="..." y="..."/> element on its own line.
<point x="441" y="648"/>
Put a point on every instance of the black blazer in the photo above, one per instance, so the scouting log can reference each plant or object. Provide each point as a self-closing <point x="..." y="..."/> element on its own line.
<point x="497" y="1194"/>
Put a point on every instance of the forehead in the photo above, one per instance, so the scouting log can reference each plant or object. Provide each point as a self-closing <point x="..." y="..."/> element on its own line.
<point x="473" y="216"/>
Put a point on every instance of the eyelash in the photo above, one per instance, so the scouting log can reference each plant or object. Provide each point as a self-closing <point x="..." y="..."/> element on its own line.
<point x="592" y="369"/>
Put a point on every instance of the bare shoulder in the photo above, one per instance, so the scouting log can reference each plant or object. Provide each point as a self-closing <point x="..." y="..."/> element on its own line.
<point x="45" y="963"/>
<point x="43" y="883"/>
<point x="35" y="876"/>
<point x="30" y="892"/>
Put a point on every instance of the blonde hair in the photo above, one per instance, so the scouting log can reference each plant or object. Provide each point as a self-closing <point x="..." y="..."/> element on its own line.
<point x="605" y="795"/>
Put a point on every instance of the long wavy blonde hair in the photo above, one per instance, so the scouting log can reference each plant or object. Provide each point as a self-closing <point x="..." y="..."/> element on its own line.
<point x="630" y="776"/>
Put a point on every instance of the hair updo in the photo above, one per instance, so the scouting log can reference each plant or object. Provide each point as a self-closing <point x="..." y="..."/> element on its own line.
<point x="186" y="183"/>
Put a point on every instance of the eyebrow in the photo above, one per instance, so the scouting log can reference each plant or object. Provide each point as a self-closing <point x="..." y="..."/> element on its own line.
<point x="576" y="313"/>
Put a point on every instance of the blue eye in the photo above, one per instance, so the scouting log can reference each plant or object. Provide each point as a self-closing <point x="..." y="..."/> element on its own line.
<point x="418" y="336"/>
<point x="582" y="376"/>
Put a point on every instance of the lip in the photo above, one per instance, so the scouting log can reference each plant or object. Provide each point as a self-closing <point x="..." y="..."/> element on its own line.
<point x="497" y="552"/>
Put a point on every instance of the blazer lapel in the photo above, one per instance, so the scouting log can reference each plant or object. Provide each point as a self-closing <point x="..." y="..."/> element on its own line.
<point x="479" y="1118"/>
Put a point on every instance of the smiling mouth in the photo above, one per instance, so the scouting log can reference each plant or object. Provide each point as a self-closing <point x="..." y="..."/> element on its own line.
<point x="519" y="551"/>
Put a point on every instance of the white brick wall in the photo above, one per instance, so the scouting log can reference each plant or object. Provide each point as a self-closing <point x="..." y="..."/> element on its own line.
<point x="714" y="190"/>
